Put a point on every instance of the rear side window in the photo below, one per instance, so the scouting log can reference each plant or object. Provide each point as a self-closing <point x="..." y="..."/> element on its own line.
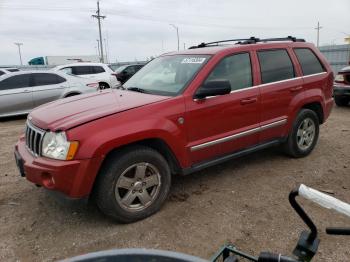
<point x="1" y="73"/>
<point x="308" y="61"/>
<point x="83" y="70"/>
<point x="236" y="68"/>
<point x="42" y="79"/>
<point x="275" y="65"/>
<point x="13" y="82"/>
<point x="98" y="69"/>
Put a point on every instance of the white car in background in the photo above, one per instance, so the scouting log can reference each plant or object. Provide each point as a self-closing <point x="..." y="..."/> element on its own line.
<point x="8" y="70"/>
<point x="22" y="91"/>
<point x="99" y="72"/>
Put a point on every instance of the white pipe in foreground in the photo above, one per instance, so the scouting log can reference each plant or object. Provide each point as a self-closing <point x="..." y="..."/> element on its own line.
<point x="324" y="200"/>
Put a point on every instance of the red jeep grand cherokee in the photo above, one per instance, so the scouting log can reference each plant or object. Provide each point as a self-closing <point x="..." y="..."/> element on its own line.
<point x="182" y="112"/>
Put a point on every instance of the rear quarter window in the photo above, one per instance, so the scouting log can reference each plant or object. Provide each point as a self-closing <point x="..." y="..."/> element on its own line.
<point x="308" y="61"/>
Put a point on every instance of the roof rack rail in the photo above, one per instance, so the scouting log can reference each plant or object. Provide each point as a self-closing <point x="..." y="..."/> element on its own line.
<point x="251" y="40"/>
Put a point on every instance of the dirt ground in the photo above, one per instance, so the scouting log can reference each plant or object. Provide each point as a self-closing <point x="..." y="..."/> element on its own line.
<point x="244" y="201"/>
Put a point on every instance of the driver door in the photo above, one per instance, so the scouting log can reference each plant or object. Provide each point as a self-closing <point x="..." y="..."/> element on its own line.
<point x="224" y="124"/>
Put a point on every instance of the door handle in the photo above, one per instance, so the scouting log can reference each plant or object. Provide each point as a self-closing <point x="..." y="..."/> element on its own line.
<point x="26" y="90"/>
<point x="295" y="89"/>
<point x="249" y="100"/>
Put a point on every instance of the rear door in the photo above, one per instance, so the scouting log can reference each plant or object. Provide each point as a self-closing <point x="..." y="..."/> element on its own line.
<point x="16" y="95"/>
<point x="47" y="87"/>
<point x="280" y="84"/>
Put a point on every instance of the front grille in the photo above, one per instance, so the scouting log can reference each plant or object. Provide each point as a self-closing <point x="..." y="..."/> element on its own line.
<point x="34" y="137"/>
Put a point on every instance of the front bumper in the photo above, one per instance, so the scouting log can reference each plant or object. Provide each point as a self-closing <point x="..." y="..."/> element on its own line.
<point x="341" y="90"/>
<point x="72" y="178"/>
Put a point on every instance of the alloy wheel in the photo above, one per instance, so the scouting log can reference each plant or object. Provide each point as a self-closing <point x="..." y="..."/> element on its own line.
<point x="137" y="187"/>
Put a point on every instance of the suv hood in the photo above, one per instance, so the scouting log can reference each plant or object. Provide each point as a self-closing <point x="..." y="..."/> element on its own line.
<point x="66" y="113"/>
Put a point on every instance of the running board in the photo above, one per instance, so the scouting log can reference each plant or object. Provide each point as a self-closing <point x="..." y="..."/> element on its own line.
<point x="205" y="164"/>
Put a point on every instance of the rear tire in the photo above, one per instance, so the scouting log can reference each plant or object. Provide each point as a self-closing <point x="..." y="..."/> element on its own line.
<point x="304" y="134"/>
<point x="103" y="86"/>
<point x="341" y="101"/>
<point x="133" y="184"/>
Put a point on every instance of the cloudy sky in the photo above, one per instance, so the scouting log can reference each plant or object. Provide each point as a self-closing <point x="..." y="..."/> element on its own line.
<point x="136" y="29"/>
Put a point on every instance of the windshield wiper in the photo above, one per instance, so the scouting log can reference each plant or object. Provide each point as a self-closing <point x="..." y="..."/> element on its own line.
<point x="137" y="89"/>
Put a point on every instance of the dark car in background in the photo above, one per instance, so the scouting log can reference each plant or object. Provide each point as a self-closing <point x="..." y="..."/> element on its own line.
<point x="342" y="87"/>
<point x="123" y="73"/>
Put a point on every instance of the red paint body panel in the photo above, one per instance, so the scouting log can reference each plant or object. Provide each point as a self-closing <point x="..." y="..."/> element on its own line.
<point x="111" y="119"/>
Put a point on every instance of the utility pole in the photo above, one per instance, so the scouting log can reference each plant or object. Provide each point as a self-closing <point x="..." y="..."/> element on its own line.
<point x="98" y="16"/>
<point x="98" y="49"/>
<point x="318" y="33"/>
<point x="19" y="51"/>
<point x="177" y="33"/>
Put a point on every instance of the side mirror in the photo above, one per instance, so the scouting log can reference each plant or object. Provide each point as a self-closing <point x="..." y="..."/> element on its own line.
<point x="213" y="88"/>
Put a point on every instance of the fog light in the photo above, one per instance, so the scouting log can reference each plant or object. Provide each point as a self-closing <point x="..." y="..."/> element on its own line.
<point x="48" y="180"/>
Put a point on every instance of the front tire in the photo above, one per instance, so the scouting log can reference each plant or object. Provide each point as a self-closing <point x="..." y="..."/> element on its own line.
<point x="341" y="101"/>
<point x="133" y="184"/>
<point x="304" y="134"/>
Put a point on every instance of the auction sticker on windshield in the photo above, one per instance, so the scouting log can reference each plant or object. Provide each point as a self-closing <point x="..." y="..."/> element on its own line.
<point x="193" y="60"/>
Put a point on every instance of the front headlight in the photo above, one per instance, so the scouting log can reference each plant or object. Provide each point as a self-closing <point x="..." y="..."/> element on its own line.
<point x="56" y="146"/>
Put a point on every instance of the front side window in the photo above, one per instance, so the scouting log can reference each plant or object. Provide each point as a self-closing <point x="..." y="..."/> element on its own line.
<point x="130" y="70"/>
<point x="236" y="69"/>
<point x="275" y="65"/>
<point x="13" y="82"/>
<point x="41" y="79"/>
<point x="308" y="61"/>
<point x="167" y="75"/>
<point x="83" y="70"/>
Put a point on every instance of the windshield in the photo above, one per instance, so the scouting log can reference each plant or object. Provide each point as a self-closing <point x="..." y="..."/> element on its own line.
<point x="167" y="75"/>
<point x="119" y="69"/>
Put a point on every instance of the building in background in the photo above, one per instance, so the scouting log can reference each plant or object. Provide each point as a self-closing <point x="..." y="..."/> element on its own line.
<point x="61" y="60"/>
<point x="337" y="55"/>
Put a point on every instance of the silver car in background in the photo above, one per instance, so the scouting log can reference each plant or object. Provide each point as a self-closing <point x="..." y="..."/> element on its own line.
<point x="22" y="91"/>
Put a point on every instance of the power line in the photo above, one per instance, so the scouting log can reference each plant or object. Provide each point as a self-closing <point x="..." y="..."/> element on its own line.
<point x="98" y="16"/>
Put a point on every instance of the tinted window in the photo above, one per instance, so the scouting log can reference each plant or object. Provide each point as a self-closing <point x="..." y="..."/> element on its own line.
<point x="67" y="70"/>
<point x="42" y="79"/>
<point x="275" y="65"/>
<point x="1" y="73"/>
<point x="13" y="82"/>
<point x="13" y="70"/>
<point x="130" y="70"/>
<point x="83" y="70"/>
<point x="236" y="69"/>
<point x="98" y="69"/>
<point x="308" y="61"/>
